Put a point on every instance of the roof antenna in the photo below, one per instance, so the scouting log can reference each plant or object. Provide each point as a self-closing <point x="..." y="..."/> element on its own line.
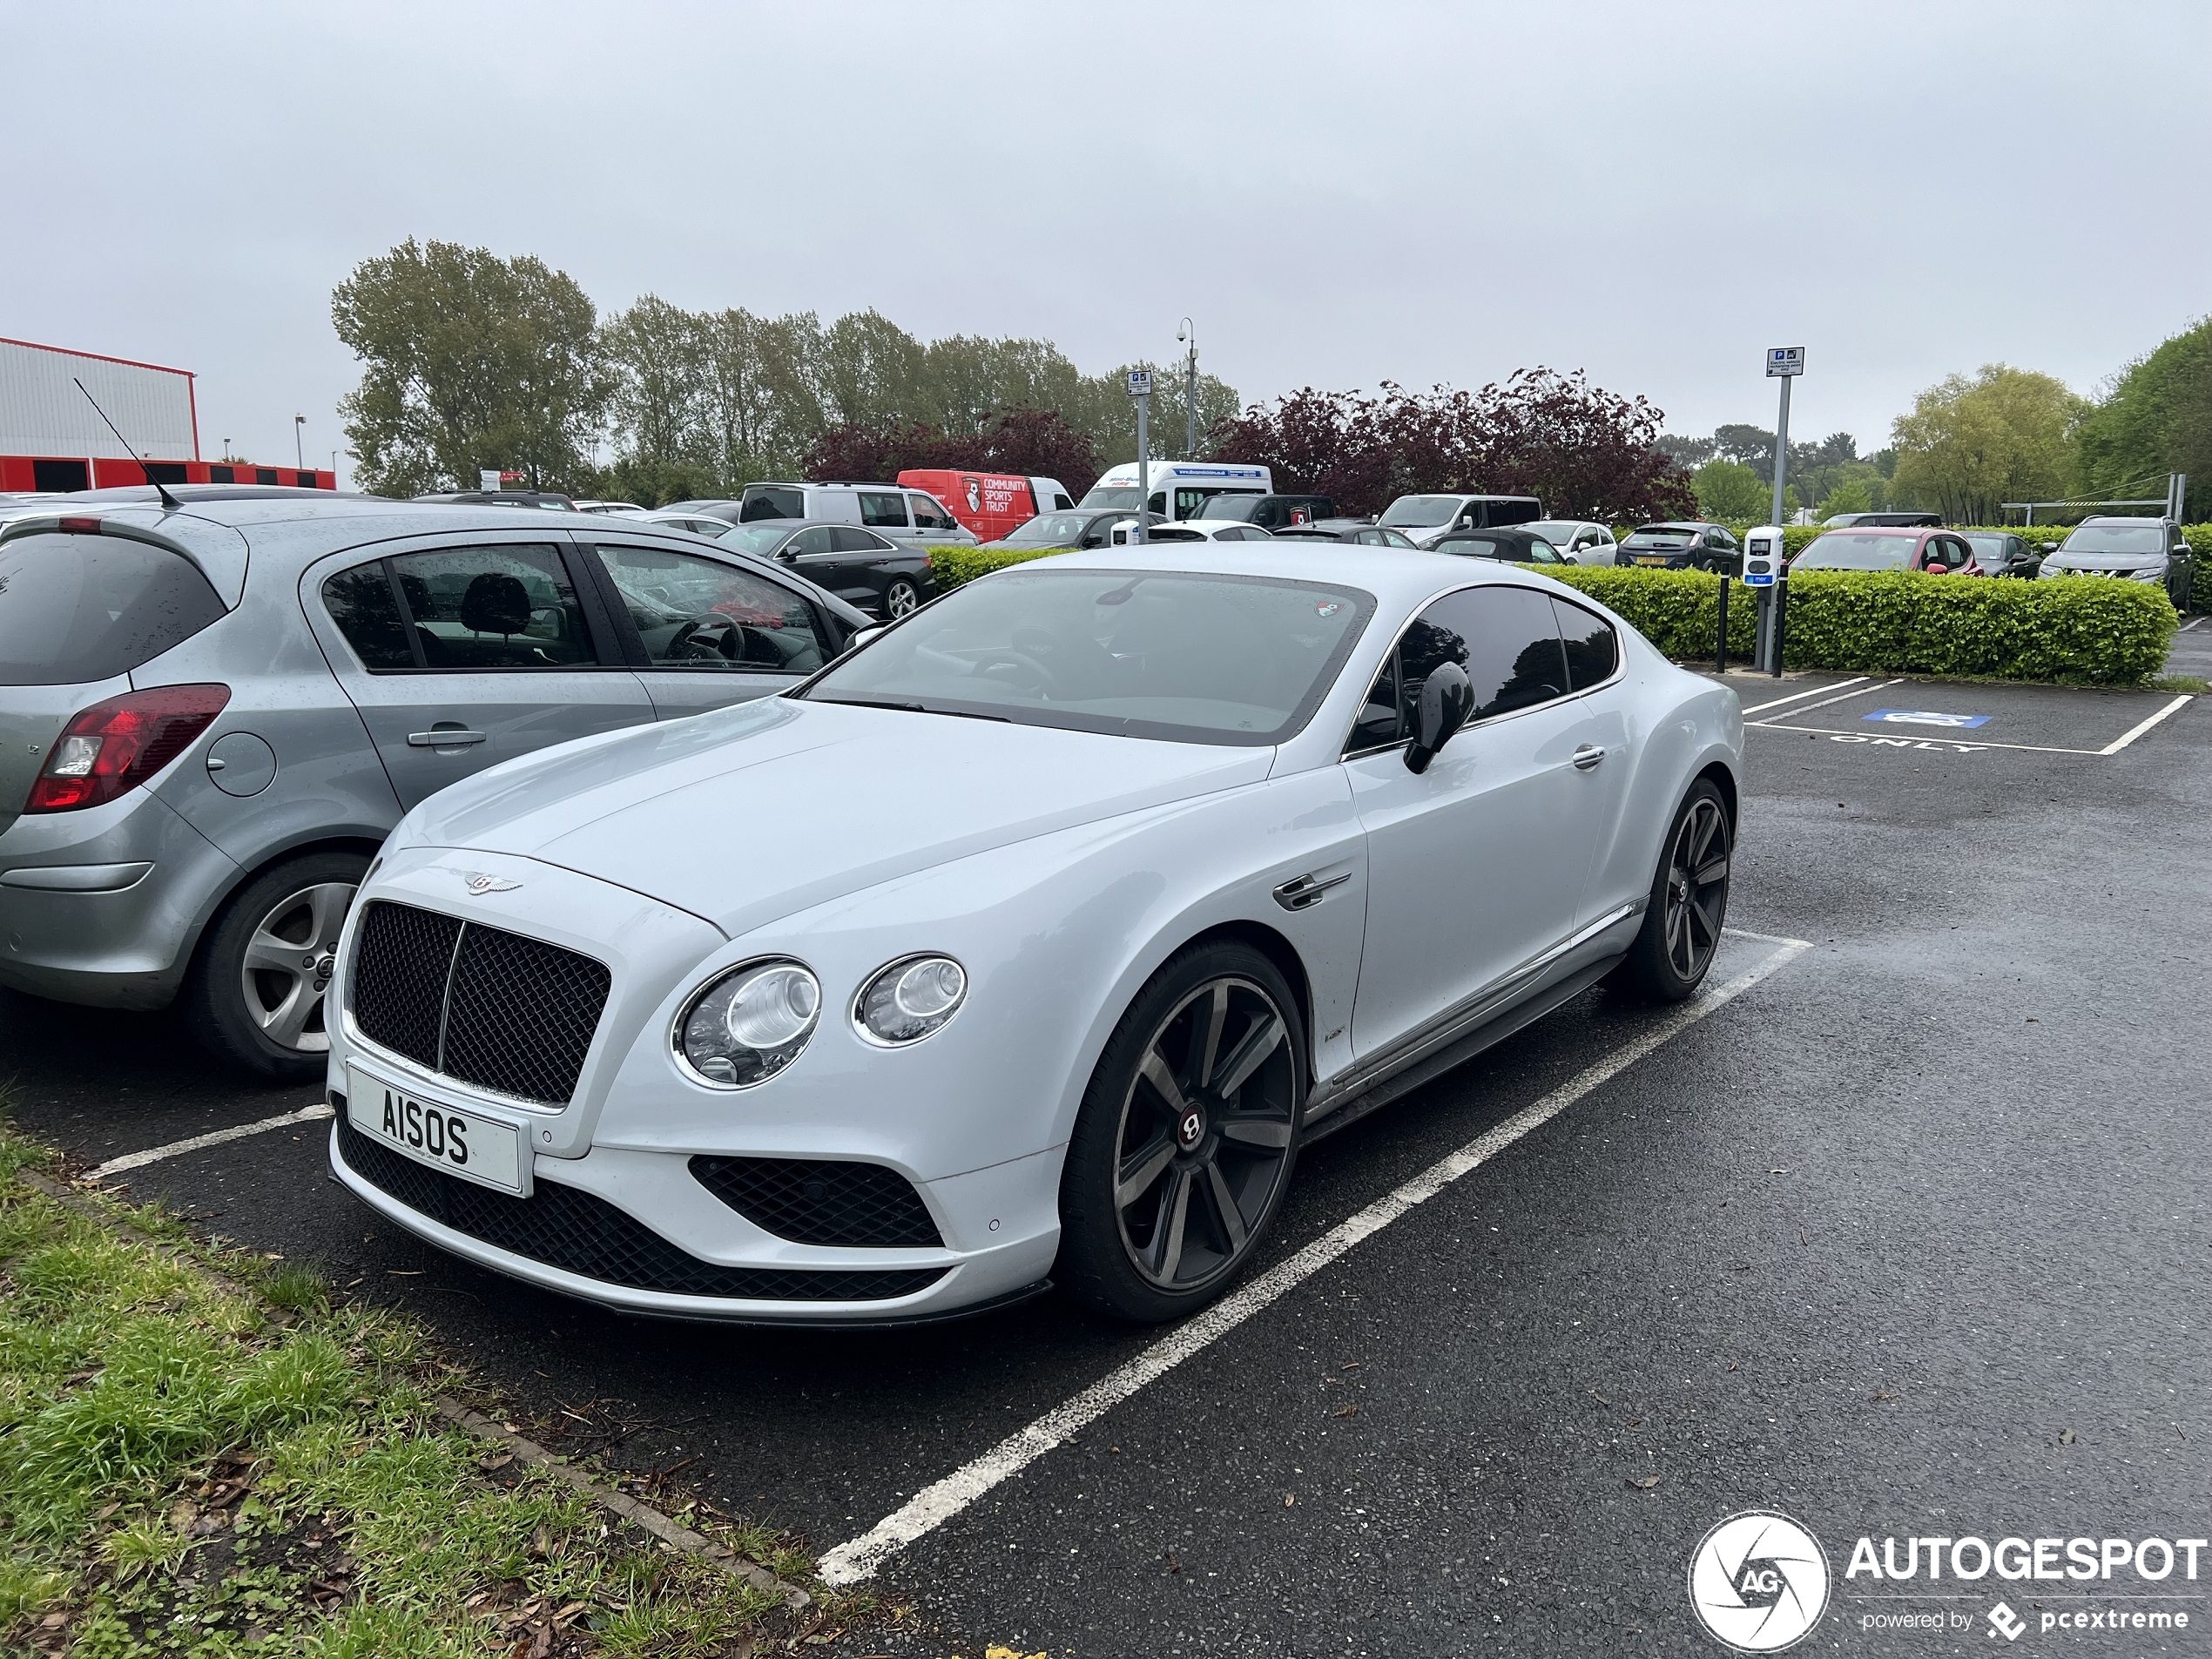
<point x="168" y="501"/>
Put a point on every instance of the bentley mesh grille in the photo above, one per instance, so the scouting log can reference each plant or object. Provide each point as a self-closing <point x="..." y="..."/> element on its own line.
<point x="580" y="1232"/>
<point x="821" y="1202"/>
<point x="477" y="1003"/>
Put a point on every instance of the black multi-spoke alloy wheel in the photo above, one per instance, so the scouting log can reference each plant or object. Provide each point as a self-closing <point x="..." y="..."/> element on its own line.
<point x="1186" y="1138"/>
<point x="1682" y="925"/>
<point x="255" y="992"/>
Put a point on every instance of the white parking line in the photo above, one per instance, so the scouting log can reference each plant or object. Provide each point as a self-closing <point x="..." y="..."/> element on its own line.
<point x="1863" y="691"/>
<point x="1835" y="685"/>
<point x="2115" y="748"/>
<point x="178" y="1148"/>
<point x="936" y="1504"/>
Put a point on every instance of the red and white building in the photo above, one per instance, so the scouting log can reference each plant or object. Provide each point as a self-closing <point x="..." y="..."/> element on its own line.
<point x="51" y="438"/>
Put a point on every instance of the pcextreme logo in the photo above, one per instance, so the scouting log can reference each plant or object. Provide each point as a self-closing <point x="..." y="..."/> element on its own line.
<point x="1758" y="1582"/>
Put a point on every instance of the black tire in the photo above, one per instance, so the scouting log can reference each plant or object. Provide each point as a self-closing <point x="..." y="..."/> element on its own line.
<point x="270" y="1020"/>
<point x="1122" y="1249"/>
<point x="1689" y="903"/>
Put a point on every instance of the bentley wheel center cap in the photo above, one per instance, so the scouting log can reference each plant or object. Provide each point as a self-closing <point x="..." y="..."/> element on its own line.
<point x="1191" y="1129"/>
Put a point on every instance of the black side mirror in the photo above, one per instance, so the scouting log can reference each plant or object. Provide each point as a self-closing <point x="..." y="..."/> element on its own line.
<point x="1447" y="699"/>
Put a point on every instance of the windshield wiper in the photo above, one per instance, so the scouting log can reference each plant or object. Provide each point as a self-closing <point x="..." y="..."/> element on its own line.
<point x="910" y="708"/>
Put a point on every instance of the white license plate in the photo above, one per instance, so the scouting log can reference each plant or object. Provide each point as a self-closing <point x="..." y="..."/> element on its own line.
<point x="460" y="1142"/>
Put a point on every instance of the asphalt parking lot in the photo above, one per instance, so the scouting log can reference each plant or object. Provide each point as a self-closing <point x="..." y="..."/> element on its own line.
<point x="1908" y="1235"/>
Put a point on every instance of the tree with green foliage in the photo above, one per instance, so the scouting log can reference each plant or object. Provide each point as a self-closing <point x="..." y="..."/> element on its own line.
<point x="1970" y="445"/>
<point x="1732" y="492"/>
<point x="2156" y="420"/>
<point x="470" y="362"/>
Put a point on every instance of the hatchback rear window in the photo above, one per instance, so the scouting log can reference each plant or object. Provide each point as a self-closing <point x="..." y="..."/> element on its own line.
<point x="78" y="609"/>
<point x="772" y="504"/>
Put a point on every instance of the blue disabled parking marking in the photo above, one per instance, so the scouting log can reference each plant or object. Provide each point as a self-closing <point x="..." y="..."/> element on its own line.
<point x="1925" y="717"/>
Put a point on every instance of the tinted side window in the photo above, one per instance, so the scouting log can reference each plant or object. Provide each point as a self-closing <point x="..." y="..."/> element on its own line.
<point x="78" y="608"/>
<point x="1376" y="725"/>
<point x="846" y="540"/>
<point x="695" y="612"/>
<point x="771" y="503"/>
<point x="478" y="608"/>
<point x="929" y="516"/>
<point x="815" y="538"/>
<point x="1593" y="649"/>
<point x="360" y="601"/>
<point x="888" y="511"/>
<point x="1507" y="639"/>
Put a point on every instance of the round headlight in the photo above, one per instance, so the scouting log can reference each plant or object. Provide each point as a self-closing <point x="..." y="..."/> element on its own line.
<point x="907" y="1000"/>
<point x="750" y="1024"/>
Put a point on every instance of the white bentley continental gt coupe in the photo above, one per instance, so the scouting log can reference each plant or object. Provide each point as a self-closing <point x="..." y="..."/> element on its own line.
<point x="1029" y="941"/>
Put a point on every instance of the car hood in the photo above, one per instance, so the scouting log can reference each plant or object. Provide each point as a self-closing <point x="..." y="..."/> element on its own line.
<point x="754" y="812"/>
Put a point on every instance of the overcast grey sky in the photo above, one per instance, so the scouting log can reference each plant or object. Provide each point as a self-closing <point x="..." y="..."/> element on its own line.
<point x="1338" y="194"/>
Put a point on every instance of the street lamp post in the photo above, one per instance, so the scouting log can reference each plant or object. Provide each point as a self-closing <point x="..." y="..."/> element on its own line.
<point x="300" y="440"/>
<point x="1190" y="331"/>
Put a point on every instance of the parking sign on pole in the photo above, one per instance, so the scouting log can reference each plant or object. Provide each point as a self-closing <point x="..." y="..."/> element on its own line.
<point x="1140" y="387"/>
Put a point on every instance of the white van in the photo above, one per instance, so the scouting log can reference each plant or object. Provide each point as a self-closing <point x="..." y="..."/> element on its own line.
<point x="1179" y="487"/>
<point x="909" y="517"/>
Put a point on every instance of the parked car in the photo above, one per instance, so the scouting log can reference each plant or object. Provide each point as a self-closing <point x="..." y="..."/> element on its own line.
<point x="1692" y="545"/>
<point x="629" y="507"/>
<point x="1850" y="521"/>
<point x="1085" y="527"/>
<point x="1514" y="544"/>
<point x="990" y="504"/>
<point x="1361" y="531"/>
<point x="1176" y="488"/>
<point x="1269" y="512"/>
<point x="691" y="524"/>
<point x="1189" y="529"/>
<point x="1880" y="547"/>
<point x="551" y="500"/>
<point x="2138" y="549"/>
<point x="907" y="515"/>
<point x="1582" y="540"/>
<point x="1031" y="940"/>
<point x="859" y="566"/>
<point x="2004" y="554"/>
<point x="210" y="718"/>
<point x="1425" y="517"/>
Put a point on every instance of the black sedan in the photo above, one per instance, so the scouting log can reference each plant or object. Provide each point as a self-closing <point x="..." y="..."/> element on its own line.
<point x="1514" y="546"/>
<point x="1999" y="554"/>
<point x="1363" y="532"/>
<point x="1691" y="544"/>
<point x="859" y="566"/>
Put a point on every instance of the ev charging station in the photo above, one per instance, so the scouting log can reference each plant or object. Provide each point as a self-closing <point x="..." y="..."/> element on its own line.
<point x="1766" y="575"/>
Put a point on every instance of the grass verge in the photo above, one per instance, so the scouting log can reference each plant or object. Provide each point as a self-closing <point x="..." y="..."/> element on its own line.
<point x="187" y="1468"/>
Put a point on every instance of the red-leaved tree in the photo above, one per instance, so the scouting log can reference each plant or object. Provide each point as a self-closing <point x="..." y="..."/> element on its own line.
<point x="1022" y="442"/>
<point x="1584" y="451"/>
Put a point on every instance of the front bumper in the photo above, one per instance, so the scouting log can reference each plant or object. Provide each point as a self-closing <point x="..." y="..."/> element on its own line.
<point x="580" y="1233"/>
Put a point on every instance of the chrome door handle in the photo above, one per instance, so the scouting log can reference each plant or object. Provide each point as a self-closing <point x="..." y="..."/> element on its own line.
<point x="450" y="738"/>
<point x="1588" y="756"/>
<point x="1301" y="891"/>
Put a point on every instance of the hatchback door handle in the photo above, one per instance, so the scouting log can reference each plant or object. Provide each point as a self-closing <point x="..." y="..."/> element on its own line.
<point x="455" y="738"/>
<point x="1588" y="756"/>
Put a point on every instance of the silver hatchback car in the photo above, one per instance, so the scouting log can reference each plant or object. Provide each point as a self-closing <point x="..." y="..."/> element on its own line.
<point x="212" y="715"/>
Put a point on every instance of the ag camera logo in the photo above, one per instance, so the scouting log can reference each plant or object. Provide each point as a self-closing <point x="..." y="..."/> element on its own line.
<point x="1758" y="1582"/>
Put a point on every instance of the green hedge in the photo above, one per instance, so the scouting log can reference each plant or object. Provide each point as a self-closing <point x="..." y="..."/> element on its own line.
<point x="2078" y="630"/>
<point x="953" y="566"/>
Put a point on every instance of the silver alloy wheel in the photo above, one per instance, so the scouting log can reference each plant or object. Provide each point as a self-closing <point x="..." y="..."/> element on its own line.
<point x="899" y="599"/>
<point x="1204" y="1140"/>
<point x="287" y="965"/>
<point x="1698" y="870"/>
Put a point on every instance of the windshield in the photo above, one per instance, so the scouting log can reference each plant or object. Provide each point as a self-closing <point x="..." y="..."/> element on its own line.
<point x="2116" y="538"/>
<point x="1192" y="658"/>
<point x="75" y="609"/>
<point x="757" y="539"/>
<point x="1114" y="496"/>
<point x="1660" y="537"/>
<point x="1420" y="511"/>
<point x="1049" y="530"/>
<point x="1558" y="531"/>
<point x="1848" y="551"/>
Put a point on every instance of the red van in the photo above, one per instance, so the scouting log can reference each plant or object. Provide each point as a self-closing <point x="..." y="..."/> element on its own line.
<point x="991" y="505"/>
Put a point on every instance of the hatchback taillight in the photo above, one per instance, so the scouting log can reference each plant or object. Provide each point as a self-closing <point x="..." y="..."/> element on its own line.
<point x="114" y="746"/>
